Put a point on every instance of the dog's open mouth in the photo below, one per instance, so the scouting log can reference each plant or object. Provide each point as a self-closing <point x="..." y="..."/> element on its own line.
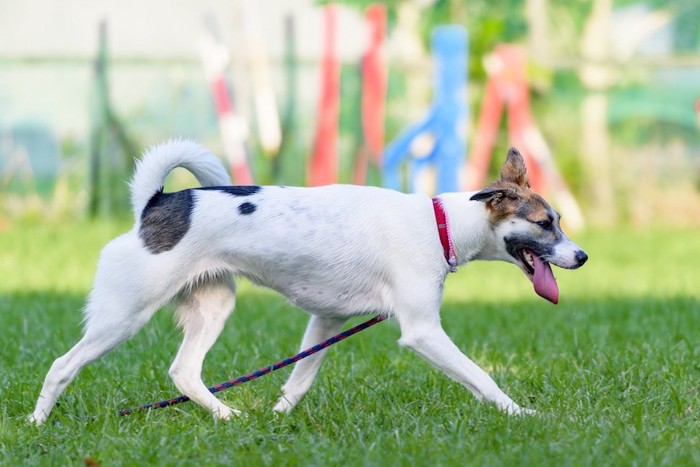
<point x="540" y="273"/>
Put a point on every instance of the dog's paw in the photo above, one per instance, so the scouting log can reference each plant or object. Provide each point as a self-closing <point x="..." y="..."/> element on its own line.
<point x="225" y="413"/>
<point x="284" y="405"/>
<point x="527" y="412"/>
<point x="515" y="409"/>
<point x="36" y="419"/>
<point x="511" y="408"/>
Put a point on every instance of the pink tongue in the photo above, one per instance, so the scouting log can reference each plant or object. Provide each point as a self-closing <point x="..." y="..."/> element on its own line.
<point x="543" y="279"/>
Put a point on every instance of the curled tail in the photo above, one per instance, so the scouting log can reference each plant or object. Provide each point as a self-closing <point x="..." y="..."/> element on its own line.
<point x="160" y="160"/>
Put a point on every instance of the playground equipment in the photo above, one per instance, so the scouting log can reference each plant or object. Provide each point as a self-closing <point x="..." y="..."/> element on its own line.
<point x="374" y="88"/>
<point x="507" y="86"/>
<point x="266" y="115"/>
<point x="233" y="128"/>
<point x="323" y="166"/>
<point x="445" y="126"/>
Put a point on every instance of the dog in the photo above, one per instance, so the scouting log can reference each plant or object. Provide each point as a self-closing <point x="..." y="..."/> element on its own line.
<point x="336" y="251"/>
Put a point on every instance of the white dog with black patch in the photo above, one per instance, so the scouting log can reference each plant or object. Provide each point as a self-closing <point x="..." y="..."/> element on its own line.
<point x="336" y="251"/>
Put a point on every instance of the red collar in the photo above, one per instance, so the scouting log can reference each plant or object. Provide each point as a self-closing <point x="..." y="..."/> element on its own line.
<point x="444" y="232"/>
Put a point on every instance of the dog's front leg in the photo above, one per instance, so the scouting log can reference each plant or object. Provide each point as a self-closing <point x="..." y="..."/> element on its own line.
<point x="427" y="338"/>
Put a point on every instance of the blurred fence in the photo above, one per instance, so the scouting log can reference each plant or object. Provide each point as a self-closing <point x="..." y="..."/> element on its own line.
<point x="650" y="171"/>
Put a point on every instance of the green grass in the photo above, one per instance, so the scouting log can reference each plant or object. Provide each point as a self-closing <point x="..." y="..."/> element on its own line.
<point x="614" y="370"/>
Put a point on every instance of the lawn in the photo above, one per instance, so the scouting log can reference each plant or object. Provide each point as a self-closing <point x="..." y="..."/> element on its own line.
<point x="614" y="370"/>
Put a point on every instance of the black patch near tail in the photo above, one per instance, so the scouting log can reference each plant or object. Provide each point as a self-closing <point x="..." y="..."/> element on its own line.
<point x="237" y="190"/>
<point x="165" y="220"/>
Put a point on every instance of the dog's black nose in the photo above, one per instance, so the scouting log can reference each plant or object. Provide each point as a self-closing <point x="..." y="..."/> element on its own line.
<point x="581" y="257"/>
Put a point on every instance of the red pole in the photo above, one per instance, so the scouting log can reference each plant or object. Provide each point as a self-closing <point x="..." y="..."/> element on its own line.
<point x="485" y="138"/>
<point x="520" y="120"/>
<point x="323" y="169"/>
<point x="374" y="85"/>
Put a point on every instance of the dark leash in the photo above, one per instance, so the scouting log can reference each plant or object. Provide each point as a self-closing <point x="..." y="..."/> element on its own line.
<point x="265" y="370"/>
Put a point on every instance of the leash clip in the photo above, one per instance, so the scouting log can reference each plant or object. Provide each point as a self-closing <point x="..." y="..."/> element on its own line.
<point x="453" y="264"/>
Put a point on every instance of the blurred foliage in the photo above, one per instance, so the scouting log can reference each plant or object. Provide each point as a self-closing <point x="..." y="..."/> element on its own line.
<point x="488" y="22"/>
<point x="687" y="19"/>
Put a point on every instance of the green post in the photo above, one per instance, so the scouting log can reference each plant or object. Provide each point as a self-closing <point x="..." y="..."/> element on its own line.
<point x="111" y="152"/>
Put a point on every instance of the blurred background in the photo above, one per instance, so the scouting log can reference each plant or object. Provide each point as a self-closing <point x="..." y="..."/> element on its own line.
<point x="602" y="97"/>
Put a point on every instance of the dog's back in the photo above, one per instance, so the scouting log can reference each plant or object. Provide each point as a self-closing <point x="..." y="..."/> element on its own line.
<point x="305" y="243"/>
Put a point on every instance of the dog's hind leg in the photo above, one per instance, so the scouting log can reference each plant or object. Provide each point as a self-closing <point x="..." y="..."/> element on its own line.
<point x="305" y="371"/>
<point x="119" y="320"/>
<point x="124" y="298"/>
<point x="202" y="314"/>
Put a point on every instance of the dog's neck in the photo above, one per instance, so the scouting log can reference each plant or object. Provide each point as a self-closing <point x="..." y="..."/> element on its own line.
<point x="469" y="226"/>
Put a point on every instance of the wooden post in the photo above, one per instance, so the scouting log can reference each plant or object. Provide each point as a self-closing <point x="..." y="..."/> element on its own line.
<point x="98" y="120"/>
<point x="233" y="128"/>
<point x="289" y="164"/>
<point x="266" y="113"/>
<point x="111" y="154"/>
<point x="595" y="139"/>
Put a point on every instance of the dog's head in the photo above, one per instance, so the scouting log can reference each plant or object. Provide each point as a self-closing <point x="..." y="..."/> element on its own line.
<point x="525" y="229"/>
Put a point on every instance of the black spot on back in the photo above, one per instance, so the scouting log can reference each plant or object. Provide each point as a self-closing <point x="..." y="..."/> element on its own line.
<point x="165" y="220"/>
<point x="247" y="208"/>
<point x="238" y="190"/>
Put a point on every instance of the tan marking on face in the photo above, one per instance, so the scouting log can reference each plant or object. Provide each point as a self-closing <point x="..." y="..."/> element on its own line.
<point x="511" y="201"/>
<point x="512" y="194"/>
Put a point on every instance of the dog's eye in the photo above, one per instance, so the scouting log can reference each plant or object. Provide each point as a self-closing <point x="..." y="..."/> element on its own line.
<point x="546" y="225"/>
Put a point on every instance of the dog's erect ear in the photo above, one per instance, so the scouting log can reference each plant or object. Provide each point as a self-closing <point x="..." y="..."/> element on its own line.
<point x="493" y="195"/>
<point x="514" y="170"/>
<point x="486" y="194"/>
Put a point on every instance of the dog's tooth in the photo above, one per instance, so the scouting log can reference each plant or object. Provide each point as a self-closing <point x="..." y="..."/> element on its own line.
<point x="528" y="258"/>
